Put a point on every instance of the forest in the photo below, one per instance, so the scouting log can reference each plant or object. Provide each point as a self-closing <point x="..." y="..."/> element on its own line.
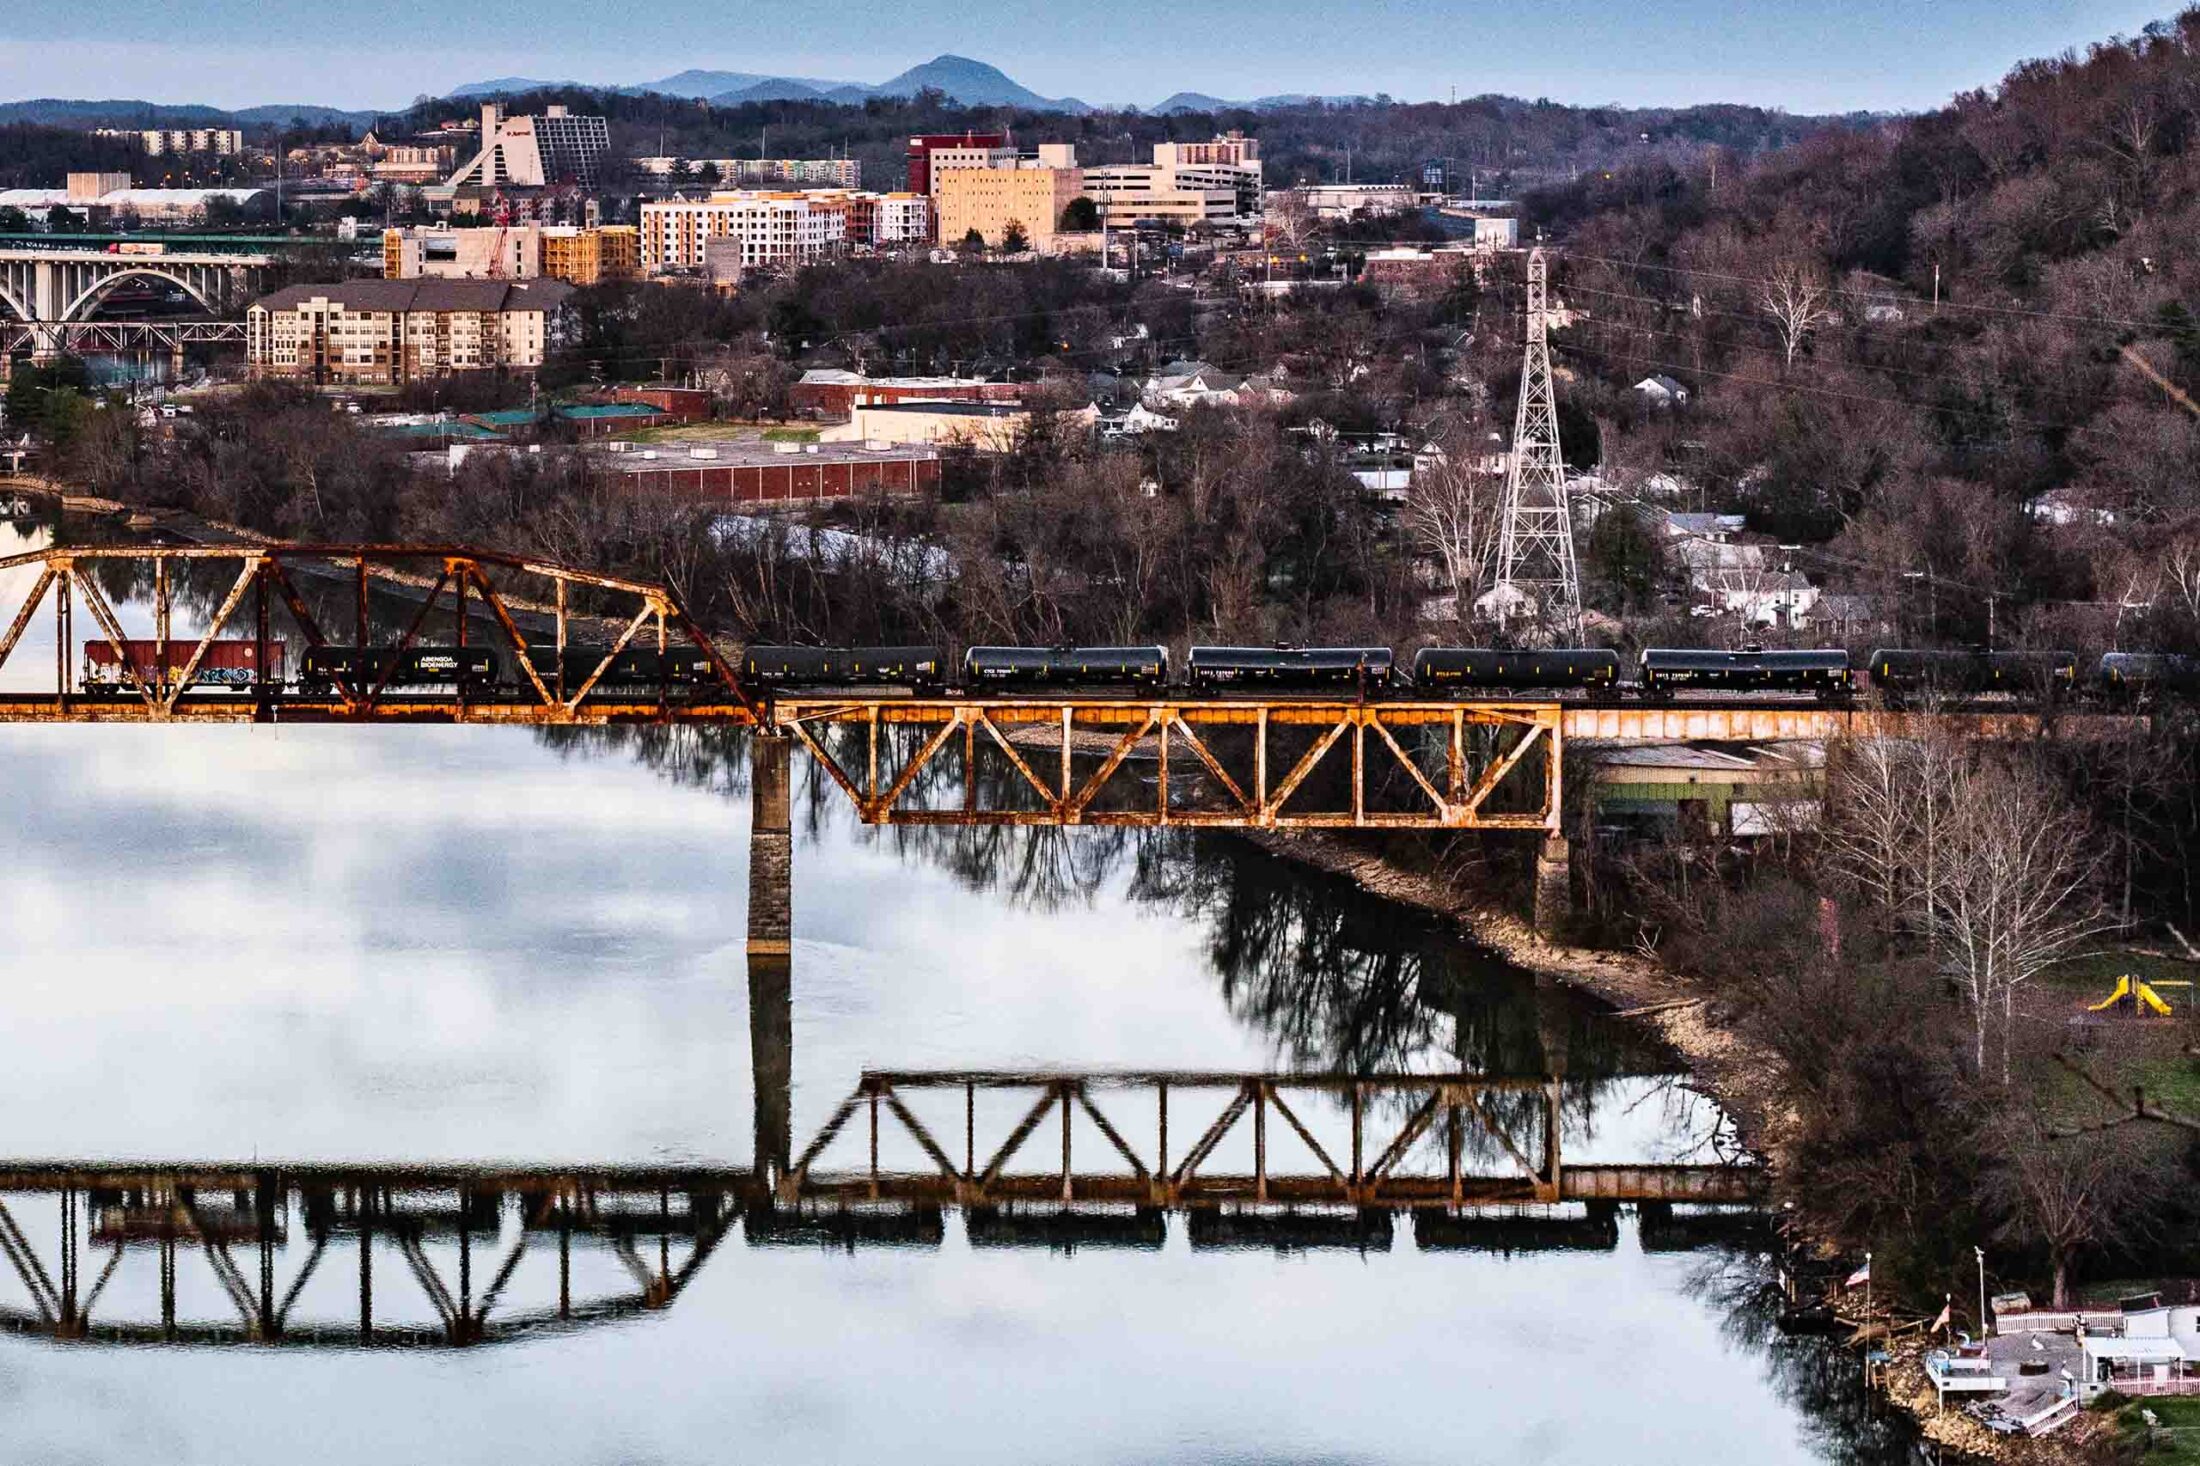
<point x="1953" y="354"/>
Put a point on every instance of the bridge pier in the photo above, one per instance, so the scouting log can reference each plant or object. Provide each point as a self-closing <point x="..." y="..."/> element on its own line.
<point x="771" y="845"/>
<point x="771" y="1064"/>
<point x="1554" y="895"/>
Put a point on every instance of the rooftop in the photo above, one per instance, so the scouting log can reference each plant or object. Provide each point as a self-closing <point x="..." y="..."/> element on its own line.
<point x="427" y="294"/>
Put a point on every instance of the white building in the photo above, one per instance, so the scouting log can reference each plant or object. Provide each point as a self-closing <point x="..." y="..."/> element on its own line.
<point x="1343" y="200"/>
<point x="760" y="229"/>
<point x="227" y="141"/>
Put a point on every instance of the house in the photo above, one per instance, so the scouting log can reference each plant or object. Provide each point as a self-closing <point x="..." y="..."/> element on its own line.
<point x="1662" y="391"/>
<point x="1714" y="529"/>
<point x="2061" y="508"/>
<point x="1759" y="597"/>
<point x="1191" y="383"/>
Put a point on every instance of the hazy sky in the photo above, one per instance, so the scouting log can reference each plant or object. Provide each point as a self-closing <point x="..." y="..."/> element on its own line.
<point x="1806" y="57"/>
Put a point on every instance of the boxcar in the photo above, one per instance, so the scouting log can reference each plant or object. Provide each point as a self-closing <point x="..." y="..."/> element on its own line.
<point x="229" y="662"/>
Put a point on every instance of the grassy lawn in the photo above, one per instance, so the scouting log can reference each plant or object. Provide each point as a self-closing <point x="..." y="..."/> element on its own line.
<point x="790" y="435"/>
<point x="2177" y="1433"/>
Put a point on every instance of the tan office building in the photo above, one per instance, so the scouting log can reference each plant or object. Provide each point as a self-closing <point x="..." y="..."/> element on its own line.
<point x="990" y="199"/>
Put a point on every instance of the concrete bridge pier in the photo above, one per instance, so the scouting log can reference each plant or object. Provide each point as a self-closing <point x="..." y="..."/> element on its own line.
<point x="771" y="1064"/>
<point x="771" y="965"/>
<point x="771" y="846"/>
<point x="1554" y="894"/>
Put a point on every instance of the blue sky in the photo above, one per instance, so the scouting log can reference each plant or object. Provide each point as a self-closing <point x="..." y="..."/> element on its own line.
<point x="1806" y="57"/>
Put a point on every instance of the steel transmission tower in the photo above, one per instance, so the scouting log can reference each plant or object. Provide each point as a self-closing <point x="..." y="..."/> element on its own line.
<point x="1535" y="545"/>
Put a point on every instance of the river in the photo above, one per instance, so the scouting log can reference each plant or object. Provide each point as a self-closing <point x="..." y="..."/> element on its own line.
<point x="438" y="948"/>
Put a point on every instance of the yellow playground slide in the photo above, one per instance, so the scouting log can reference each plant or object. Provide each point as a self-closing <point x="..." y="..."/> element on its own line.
<point x="2130" y="990"/>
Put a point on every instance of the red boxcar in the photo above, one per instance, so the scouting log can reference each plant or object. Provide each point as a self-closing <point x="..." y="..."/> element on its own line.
<point x="230" y="662"/>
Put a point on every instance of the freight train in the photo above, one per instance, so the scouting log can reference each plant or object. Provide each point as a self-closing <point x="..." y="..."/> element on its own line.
<point x="1899" y="676"/>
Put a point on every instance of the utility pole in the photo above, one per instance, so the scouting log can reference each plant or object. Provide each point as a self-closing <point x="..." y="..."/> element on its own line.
<point x="1535" y="546"/>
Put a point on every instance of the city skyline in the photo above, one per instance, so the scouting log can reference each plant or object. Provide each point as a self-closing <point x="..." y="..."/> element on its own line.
<point x="1875" y="56"/>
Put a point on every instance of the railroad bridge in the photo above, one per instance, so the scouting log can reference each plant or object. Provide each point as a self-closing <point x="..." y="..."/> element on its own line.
<point x="49" y="299"/>
<point x="1163" y="759"/>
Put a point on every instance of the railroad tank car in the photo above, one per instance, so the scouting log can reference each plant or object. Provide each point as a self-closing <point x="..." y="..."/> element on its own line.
<point x="1011" y="667"/>
<point x="632" y="667"/>
<point x="229" y="662"/>
<point x="2134" y="676"/>
<point x="1307" y="668"/>
<point x="1444" y="668"/>
<point x="844" y="666"/>
<point x="469" y="668"/>
<point x="1821" y="671"/>
<point x="1902" y="672"/>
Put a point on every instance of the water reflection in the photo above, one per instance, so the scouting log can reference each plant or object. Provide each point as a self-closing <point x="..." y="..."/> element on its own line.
<point x="378" y="957"/>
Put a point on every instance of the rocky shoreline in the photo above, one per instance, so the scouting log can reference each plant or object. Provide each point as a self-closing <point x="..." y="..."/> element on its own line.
<point x="1741" y="1076"/>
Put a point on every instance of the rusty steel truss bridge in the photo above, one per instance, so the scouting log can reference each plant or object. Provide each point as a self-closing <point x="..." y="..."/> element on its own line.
<point x="453" y="1256"/>
<point x="1165" y="759"/>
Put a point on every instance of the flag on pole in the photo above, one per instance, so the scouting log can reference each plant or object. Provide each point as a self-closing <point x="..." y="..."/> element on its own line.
<point x="1945" y="1316"/>
<point x="1861" y="1276"/>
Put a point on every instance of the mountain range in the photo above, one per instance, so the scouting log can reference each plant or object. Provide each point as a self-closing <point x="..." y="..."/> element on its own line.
<point x="958" y="78"/>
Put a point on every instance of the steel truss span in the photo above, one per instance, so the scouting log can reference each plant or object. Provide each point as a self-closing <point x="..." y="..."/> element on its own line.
<point x="1269" y="761"/>
<point x="565" y="607"/>
<point x="444" y="1255"/>
<point x="1269" y="764"/>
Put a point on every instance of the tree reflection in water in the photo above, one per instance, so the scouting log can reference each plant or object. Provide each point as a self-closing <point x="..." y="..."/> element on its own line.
<point x="1337" y="980"/>
<point x="1820" y="1377"/>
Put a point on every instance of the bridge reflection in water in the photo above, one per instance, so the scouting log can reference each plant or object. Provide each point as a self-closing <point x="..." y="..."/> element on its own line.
<point x="444" y="1255"/>
<point x="1383" y="1136"/>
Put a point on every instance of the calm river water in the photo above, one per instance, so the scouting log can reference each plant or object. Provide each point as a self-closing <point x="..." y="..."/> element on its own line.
<point x="435" y="946"/>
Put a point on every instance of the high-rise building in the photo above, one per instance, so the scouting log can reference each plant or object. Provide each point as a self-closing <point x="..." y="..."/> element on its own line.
<point x="931" y="152"/>
<point x="1029" y="195"/>
<point x="535" y="152"/>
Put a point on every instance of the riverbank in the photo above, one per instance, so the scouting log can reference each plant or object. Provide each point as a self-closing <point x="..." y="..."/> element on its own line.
<point x="1742" y="1076"/>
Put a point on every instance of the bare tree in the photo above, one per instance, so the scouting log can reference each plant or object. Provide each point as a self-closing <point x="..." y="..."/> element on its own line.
<point x="2068" y="1194"/>
<point x="1871" y="830"/>
<point x="1451" y="514"/>
<point x="2015" y="889"/>
<point x="1796" y="298"/>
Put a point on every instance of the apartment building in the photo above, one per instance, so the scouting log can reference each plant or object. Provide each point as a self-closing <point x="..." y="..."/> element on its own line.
<point x="874" y="220"/>
<point x="519" y="252"/>
<point x="227" y="141"/>
<point x="742" y="172"/>
<point x="591" y="256"/>
<point x="757" y="229"/>
<point x="1030" y="194"/>
<point x="387" y="332"/>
